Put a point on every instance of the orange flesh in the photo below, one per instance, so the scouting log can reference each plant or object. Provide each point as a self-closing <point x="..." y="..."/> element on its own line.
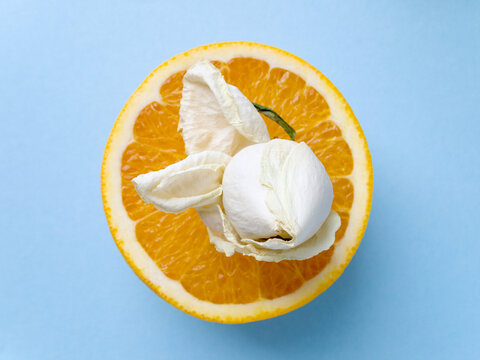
<point x="179" y="243"/>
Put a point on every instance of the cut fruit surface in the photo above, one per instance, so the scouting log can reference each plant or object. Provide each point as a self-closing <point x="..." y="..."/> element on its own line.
<point x="172" y="252"/>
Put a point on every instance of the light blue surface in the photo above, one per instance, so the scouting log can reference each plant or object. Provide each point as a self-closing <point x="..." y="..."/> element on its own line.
<point x="409" y="69"/>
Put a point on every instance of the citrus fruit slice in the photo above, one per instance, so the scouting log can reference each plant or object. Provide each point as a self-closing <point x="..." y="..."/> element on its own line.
<point x="171" y="253"/>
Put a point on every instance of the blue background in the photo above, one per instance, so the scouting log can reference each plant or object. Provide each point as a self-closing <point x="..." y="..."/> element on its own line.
<point x="409" y="69"/>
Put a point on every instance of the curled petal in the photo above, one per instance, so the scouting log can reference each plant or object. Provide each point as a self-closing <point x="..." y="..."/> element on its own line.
<point x="215" y="115"/>
<point x="190" y="183"/>
<point x="211" y="216"/>
<point x="229" y="241"/>
<point x="294" y="169"/>
<point x="221" y="244"/>
<point x="322" y="240"/>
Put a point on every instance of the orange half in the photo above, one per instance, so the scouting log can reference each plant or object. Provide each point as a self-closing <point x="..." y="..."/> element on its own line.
<point x="171" y="253"/>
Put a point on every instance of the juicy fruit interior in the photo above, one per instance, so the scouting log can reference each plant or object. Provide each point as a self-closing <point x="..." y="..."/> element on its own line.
<point x="179" y="243"/>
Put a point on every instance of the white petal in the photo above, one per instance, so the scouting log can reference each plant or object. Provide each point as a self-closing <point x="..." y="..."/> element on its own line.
<point x="217" y="116"/>
<point x="322" y="240"/>
<point x="192" y="182"/>
<point x="273" y="168"/>
<point x="211" y="216"/>
<point x="306" y="192"/>
<point x="226" y="239"/>
<point x="244" y="196"/>
<point x="300" y="192"/>
<point x="221" y="244"/>
<point x="230" y="241"/>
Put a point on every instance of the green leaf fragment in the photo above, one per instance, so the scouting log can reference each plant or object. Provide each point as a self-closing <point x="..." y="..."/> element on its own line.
<point x="277" y="118"/>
